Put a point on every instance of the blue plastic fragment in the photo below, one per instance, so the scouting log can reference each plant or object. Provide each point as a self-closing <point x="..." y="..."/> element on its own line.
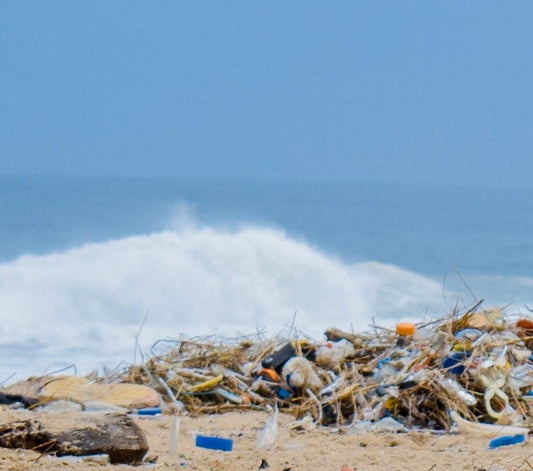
<point x="454" y="363"/>
<point x="284" y="393"/>
<point x="214" y="443"/>
<point x="507" y="440"/>
<point x="149" y="411"/>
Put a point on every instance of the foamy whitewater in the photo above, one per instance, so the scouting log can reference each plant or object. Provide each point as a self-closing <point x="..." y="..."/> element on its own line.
<point x="84" y="306"/>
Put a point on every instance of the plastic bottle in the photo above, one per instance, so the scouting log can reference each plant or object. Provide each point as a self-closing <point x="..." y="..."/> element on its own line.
<point x="332" y="354"/>
<point x="457" y="390"/>
<point x="279" y="357"/>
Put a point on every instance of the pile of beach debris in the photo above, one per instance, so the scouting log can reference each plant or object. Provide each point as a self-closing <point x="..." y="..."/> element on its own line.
<point x="477" y="364"/>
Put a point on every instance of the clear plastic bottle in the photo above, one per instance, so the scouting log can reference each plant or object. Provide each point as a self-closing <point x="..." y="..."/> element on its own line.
<point x="457" y="390"/>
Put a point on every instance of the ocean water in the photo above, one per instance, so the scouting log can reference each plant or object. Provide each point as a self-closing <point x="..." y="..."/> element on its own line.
<point x="85" y="262"/>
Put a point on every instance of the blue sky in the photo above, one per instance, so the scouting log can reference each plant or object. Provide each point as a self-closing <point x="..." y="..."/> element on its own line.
<point x="401" y="91"/>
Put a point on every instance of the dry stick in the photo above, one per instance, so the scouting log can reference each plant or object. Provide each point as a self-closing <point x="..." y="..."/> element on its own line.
<point x="374" y="324"/>
<point x="444" y="290"/>
<point x="386" y="329"/>
<point x="7" y="379"/>
<point x="474" y="308"/>
<point x="147" y="372"/>
<point x="464" y="282"/>
<point x="49" y="445"/>
<point x="137" y="338"/>
<point x="73" y="366"/>
<point x="434" y="321"/>
<point x="525" y="461"/>
<point x="170" y="394"/>
<point x="317" y="402"/>
<point x="501" y="464"/>
<point x="292" y="323"/>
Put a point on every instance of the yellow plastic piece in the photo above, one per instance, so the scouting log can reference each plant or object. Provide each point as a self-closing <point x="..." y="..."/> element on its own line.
<point x="207" y="384"/>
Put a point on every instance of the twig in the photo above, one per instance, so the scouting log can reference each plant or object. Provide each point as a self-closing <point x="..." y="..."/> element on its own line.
<point x="73" y="366"/>
<point x="7" y="379"/>
<point x="292" y="323"/>
<point x="386" y="329"/>
<point x="49" y="445"/>
<point x="525" y="461"/>
<point x="178" y="405"/>
<point x="464" y="282"/>
<point x="138" y="335"/>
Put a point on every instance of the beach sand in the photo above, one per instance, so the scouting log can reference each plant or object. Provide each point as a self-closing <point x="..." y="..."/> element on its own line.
<point x="320" y="449"/>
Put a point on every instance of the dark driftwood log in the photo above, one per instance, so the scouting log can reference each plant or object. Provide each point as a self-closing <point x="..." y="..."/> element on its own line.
<point x="116" y="434"/>
<point x="27" y="434"/>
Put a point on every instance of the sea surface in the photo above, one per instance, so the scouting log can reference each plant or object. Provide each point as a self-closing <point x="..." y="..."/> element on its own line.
<point x="93" y="271"/>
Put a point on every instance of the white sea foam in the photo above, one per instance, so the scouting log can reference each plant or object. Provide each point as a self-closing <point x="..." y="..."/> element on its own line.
<point x="85" y="305"/>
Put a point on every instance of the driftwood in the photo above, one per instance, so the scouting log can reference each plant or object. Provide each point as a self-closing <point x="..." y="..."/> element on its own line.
<point x="27" y="434"/>
<point x="116" y="435"/>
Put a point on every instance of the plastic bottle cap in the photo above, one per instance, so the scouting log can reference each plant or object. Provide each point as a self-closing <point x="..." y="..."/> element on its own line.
<point x="525" y="324"/>
<point x="405" y="328"/>
<point x="214" y="443"/>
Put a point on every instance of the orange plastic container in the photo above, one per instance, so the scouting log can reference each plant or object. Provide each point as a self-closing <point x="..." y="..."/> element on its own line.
<point x="405" y="328"/>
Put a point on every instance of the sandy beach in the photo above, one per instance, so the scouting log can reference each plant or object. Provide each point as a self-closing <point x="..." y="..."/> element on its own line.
<point x="321" y="449"/>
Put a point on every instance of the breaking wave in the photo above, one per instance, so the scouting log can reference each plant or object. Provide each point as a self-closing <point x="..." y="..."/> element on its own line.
<point x="86" y="305"/>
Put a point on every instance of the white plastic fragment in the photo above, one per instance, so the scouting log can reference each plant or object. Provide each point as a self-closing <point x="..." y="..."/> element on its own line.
<point x="332" y="354"/>
<point x="269" y="433"/>
<point x="485" y="430"/>
<point x="174" y="437"/>
<point x="458" y="391"/>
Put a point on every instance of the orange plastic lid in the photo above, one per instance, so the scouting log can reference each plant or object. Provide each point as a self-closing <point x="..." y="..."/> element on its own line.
<point x="271" y="373"/>
<point x="525" y="324"/>
<point x="405" y="328"/>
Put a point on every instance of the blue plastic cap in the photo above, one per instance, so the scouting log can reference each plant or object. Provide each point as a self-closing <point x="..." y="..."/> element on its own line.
<point x="214" y="443"/>
<point x="284" y="393"/>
